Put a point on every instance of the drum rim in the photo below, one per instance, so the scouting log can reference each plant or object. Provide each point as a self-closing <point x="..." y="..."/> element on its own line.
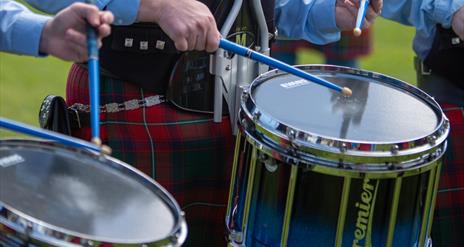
<point x="347" y="169"/>
<point x="49" y="232"/>
<point x="291" y="138"/>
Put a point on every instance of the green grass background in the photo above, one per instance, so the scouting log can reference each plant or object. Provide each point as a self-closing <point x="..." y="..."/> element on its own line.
<point x="25" y="81"/>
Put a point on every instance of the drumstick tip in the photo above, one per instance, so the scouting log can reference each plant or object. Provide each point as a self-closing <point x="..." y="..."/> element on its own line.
<point x="357" y="32"/>
<point x="106" y="149"/>
<point x="347" y="92"/>
<point x="97" y="141"/>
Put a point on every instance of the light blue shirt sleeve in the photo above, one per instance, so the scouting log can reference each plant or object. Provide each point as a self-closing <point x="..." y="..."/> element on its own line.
<point x="311" y="20"/>
<point x="20" y="29"/>
<point x="124" y="11"/>
<point x="424" y="15"/>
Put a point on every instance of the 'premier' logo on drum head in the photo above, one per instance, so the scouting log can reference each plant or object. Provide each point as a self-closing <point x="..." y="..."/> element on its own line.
<point x="11" y="160"/>
<point x="293" y="84"/>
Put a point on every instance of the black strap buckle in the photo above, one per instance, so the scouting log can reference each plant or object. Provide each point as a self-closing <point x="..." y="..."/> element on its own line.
<point x="425" y="70"/>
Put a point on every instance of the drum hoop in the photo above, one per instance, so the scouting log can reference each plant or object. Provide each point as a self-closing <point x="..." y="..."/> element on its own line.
<point x="291" y="138"/>
<point x="344" y="169"/>
<point x="49" y="233"/>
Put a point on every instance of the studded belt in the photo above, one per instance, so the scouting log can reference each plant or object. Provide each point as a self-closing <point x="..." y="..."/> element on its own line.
<point x="80" y="117"/>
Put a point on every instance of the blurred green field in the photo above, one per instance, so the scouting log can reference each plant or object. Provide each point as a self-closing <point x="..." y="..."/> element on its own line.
<point x="25" y="81"/>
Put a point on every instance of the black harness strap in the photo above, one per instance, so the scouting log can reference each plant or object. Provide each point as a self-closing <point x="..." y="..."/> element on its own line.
<point x="447" y="56"/>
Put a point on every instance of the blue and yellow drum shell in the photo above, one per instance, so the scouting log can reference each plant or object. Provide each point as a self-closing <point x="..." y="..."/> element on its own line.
<point x="313" y="168"/>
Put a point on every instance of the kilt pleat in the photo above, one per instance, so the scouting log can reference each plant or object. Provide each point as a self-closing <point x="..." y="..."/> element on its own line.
<point x="448" y="224"/>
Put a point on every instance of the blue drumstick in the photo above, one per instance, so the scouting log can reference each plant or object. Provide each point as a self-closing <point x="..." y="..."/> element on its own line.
<point x="46" y="134"/>
<point x="360" y="17"/>
<point x="94" y="81"/>
<point x="243" y="51"/>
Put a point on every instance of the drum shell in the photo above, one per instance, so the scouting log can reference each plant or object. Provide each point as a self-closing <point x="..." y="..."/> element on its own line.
<point x="18" y="228"/>
<point x="261" y="194"/>
<point x="292" y="184"/>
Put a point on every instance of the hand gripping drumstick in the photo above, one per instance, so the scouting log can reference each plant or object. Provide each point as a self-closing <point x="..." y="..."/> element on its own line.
<point x="243" y="51"/>
<point x="50" y="135"/>
<point x="94" y="81"/>
<point x="360" y="18"/>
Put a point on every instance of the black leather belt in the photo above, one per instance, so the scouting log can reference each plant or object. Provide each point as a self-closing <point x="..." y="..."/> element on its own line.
<point x="446" y="57"/>
<point x="141" y="54"/>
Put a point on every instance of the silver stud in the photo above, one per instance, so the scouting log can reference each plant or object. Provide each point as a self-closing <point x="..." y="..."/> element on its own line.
<point x="128" y="42"/>
<point x="160" y="44"/>
<point x="143" y="45"/>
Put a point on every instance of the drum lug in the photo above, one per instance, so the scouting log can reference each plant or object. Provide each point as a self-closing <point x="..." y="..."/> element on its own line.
<point x="394" y="149"/>
<point x="343" y="147"/>
<point x="28" y="231"/>
<point x="431" y="139"/>
<point x="86" y="242"/>
<point x="391" y="166"/>
<point x="236" y="237"/>
<point x="245" y="95"/>
<point x="270" y="166"/>
<point x="174" y="238"/>
<point x="446" y="124"/>
<point x="262" y="157"/>
<point x="291" y="134"/>
<point x="269" y="163"/>
<point x="434" y="154"/>
<point x="246" y="125"/>
<point x="256" y="116"/>
<point x="294" y="146"/>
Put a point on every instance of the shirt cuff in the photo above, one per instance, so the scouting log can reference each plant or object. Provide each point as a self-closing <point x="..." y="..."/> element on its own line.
<point x="27" y="32"/>
<point x="125" y="11"/>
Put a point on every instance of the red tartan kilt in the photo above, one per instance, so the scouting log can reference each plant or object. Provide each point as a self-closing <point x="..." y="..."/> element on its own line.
<point x="448" y="225"/>
<point x="187" y="153"/>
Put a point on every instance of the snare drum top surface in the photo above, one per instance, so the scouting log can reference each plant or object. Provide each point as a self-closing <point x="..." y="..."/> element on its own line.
<point x="84" y="195"/>
<point x="385" y="125"/>
<point x="376" y="112"/>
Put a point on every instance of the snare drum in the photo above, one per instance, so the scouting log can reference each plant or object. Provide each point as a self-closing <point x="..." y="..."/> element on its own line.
<point x="52" y="195"/>
<point x="314" y="168"/>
